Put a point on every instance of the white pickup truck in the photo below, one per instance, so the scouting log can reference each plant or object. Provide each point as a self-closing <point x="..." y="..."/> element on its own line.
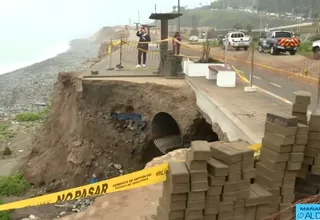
<point x="236" y="40"/>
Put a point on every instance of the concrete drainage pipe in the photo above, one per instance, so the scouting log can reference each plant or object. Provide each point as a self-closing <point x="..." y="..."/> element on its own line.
<point x="166" y="132"/>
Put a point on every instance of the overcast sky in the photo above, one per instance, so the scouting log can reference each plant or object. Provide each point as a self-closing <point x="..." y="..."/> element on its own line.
<point x="74" y="18"/>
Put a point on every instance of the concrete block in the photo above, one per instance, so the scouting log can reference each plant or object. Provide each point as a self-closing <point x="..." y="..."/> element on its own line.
<point x="225" y="206"/>
<point x="235" y="167"/>
<point x="315" y="170"/>
<point x="239" y="203"/>
<point x="212" y="201"/>
<point x="278" y="139"/>
<point x="214" y="191"/>
<point x="302" y="118"/>
<point x="247" y="153"/>
<point x="198" y="175"/>
<point x="266" y="182"/>
<point x="247" y="165"/>
<point x="243" y="194"/>
<point x="296" y="157"/>
<point x="235" y="186"/>
<point x="196" y="205"/>
<point x="285" y="206"/>
<point x="199" y="186"/>
<point x="170" y="214"/>
<point x="262" y="193"/>
<point x="271" y="164"/>
<point x="268" y="143"/>
<point x="281" y="119"/>
<point x="200" y="150"/>
<point x="249" y="174"/>
<point x="238" y="217"/>
<point x="275" y="191"/>
<point x="285" y="131"/>
<point x="173" y="197"/>
<point x="216" y="181"/>
<point x="196" y="165"/>
<point x="193" y="214"/>
<point x="210" y="211"/>
<point x="303" y="97"/>
<point x="311" y="152"/>
<point x="298" y="148"/>
<point x="288" y="182"/>
<point x="314" y="136"/>
<point x="210" y="217"/>
<point x="275" y="207"/>
<point x="290" y="174"/>
<point x="233" y="177"/>
<point x="288" y="198"/>
<point x="302" y="173"/>
<point x="316" y="162"/>
<point x="225" y="215"/>
<point x="294" y="165"/>
<point x="270" y="174"/>
<point x="229" y="197"/>
<point x="302" y="129"/>
<point x="301" y="108"/>
<point x="178" y="173"/>
<point x="301" y="139"/>
<point x="314" y="122"/>
<point x="176" y="188"/>
<point x="225" y="153"/>
<point x="287" y="190"/>
<point x="263" y="211"/>
<point x="173" y="206"/>
<point x="238" y="211"/>
<point x="308" y="160"/>
<point x="274" y="156"/>
<point x="244" y="185"/>
<point x="196" y="196"/>
<point x="217" y="168"/>
<point x="250" y="213"/>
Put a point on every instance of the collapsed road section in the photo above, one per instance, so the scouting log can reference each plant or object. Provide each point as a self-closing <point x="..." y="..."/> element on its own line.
<point x="112" y="128"/>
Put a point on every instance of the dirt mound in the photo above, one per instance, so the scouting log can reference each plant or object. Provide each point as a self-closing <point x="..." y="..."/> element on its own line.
<point x="84" y="133"/>
<point x="123" y="205"/>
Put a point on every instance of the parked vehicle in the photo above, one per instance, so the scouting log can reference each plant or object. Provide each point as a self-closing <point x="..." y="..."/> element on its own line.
<point x="279" y="42"/>
<point x="316" y="49"/>
<point x="194" y="38"/>
<point x="236" y="40"/>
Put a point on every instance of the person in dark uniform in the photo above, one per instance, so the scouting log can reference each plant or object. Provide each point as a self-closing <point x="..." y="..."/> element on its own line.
<point x="143" y="46"/>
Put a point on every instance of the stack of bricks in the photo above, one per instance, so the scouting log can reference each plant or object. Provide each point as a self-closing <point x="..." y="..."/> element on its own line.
<point x="279" y="162"/>
<point x="173" y="203"/>
<point x="308" y="181"/>
<point x="198" y="203"/>
<point x="230" y="170"/>
<point x="300" y="107"/>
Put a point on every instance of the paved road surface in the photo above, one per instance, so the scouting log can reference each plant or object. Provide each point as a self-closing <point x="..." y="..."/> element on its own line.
<point x="273" y="82"/>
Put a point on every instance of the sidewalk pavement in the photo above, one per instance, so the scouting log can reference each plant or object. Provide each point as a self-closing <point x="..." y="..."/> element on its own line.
<point x="246" y="109"/>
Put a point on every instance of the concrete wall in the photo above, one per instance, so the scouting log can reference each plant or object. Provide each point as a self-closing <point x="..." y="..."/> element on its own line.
<point x="229" y="124"/>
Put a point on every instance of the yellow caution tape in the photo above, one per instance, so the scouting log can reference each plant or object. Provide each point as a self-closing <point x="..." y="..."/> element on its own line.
<point x="141" y="178"/>
<point x="256" y="147"/>
<point x="137" y="179"/>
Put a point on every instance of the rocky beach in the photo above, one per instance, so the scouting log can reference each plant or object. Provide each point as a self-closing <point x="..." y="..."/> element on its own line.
<point x="30" y="88"/>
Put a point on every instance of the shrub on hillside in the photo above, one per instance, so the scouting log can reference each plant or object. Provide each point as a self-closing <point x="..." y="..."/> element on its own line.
<point x="15" y="185"/>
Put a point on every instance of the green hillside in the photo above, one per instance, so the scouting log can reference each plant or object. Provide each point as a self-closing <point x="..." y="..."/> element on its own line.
<point x="226" y="19"/>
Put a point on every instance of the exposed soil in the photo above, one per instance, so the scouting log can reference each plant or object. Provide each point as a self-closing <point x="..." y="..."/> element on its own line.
<point x="79" y="138"/>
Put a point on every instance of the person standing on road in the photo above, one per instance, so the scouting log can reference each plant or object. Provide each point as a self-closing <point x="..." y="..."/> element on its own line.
<point x="176" y="43"/>
<point x="144" y="39"/>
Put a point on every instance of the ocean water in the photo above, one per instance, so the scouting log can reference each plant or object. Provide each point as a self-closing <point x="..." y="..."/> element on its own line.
<point x="18" y="54"/>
